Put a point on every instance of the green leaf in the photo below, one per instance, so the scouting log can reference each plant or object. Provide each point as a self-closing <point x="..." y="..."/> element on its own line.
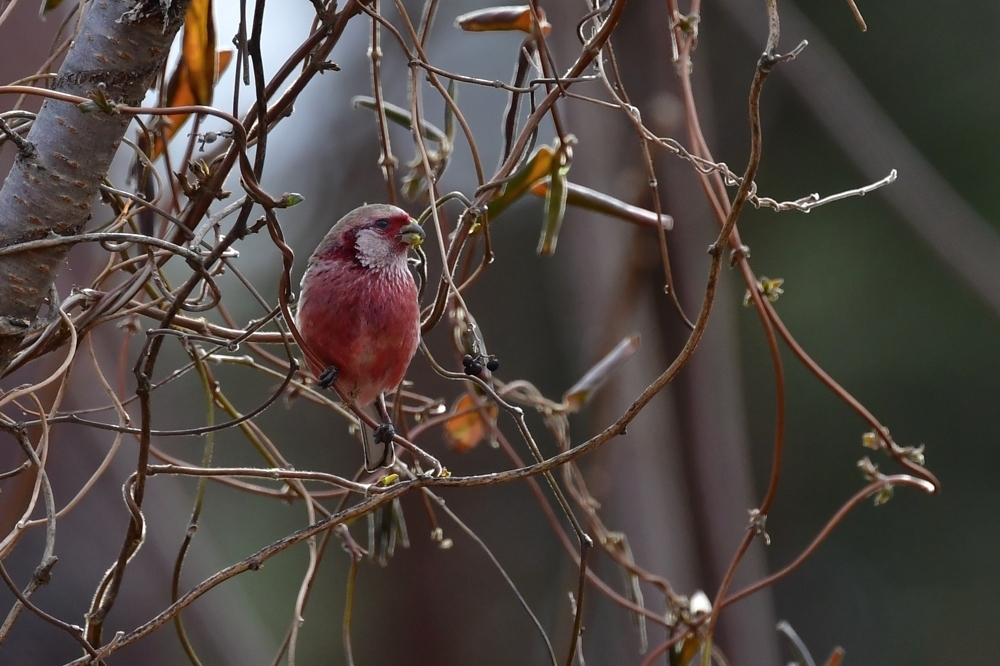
<point x="555" y="202"/>
<point x="538" y="166"/>
<point x="402" y="117"/>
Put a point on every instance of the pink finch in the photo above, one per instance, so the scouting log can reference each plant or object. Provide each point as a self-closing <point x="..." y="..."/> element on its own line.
<point x="358" y="311"/>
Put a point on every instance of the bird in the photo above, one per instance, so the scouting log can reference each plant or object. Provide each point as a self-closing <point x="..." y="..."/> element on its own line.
<point x="359" y="312"/>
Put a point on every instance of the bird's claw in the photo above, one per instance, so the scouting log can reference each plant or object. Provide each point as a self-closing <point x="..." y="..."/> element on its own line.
<point x="328" y="377"/>
<point x="381" y="453"/>
<point x="384" y="433"/>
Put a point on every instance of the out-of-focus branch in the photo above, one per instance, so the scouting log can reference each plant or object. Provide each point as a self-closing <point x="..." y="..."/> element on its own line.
<point x="924" y="199"/>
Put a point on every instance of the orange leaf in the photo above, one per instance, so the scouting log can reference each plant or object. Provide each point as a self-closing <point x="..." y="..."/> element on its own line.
<point x="199" y="50"/>
<point x="223" y="58"/>
<point x="466" y="428"/>
<point x="493" y="19"/>
<point x="197" y="70"/>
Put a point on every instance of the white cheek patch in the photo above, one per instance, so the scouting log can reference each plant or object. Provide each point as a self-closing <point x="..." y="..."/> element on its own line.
<point x="375" y="251"/>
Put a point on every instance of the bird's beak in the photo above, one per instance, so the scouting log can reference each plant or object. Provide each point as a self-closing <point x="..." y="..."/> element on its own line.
<point x="412" y="234"/>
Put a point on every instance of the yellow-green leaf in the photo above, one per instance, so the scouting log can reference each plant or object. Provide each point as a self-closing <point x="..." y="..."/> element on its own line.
<point x="555" y="202"/>
<point x="685" y="651"/>
<point x="538" y="166"/>
<point x="401" y="117"/>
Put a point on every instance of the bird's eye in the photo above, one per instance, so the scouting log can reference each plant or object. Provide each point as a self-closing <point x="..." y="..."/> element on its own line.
<point x="382" y="224"/>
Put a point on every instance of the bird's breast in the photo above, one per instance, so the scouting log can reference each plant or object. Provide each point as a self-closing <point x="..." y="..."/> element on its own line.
<point x="365" y="322"/>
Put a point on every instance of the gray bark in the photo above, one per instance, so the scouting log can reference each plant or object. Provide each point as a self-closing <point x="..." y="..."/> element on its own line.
<point x="122" y="44"/>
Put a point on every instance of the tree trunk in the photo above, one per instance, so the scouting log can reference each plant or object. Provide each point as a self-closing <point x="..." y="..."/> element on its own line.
<point x="49" y="191"/>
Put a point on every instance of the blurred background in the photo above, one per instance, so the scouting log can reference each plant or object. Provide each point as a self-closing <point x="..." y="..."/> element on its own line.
<point x="896" y="295"/>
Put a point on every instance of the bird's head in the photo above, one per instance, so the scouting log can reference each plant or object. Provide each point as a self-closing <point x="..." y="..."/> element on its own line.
<point x="375" y="236"/>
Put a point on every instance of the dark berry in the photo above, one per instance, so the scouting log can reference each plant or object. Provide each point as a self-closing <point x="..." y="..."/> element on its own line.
<point x="493" y="365"/>
<point x="474" y="368"/>
<point x="467" y="360"/>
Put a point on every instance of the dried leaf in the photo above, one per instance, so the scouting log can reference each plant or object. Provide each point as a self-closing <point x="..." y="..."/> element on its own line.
<point x="835" y="657"/>
<point x="198" y="50"/>
<point x="493" y="19"/>
<point x="581" y="392"/>
<point x="466" y="430"/>
<point x="197" y="71"/>
<point x="222" y="60"/>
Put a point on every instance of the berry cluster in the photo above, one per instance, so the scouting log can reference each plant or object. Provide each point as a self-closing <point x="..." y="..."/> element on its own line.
<point x="474" y="364"/>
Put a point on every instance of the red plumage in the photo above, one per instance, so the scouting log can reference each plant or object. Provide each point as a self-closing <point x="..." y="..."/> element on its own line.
<point x="358" y="308"/>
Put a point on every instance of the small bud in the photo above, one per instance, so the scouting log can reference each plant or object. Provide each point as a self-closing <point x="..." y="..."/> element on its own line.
<point x="883" y="495"/>
<point x="915" y="454"/>
<point x="88" y="107"/>
<point x="869" y="470"/>
<point x="768" y="287"/>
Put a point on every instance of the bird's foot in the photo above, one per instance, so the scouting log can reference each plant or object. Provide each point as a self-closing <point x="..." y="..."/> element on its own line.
<point x="328" y="377"/>
<point x="380" y="452"/>
<point x="384" y="433"/>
